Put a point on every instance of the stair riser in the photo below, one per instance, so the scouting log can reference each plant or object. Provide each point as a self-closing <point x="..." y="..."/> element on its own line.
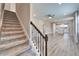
<point x="11" y="26"/>
<point x="15" y="51"/>
<point x="11" y="22"/>
<point x="9" y="16"/>
<point x="12" y="30"/>
<point x="4" y="35"/>
<point x="12" y="45"/>
<point x="11" y="40"/>
<point x="19" y="37"/>
<point x="11" y="19"/>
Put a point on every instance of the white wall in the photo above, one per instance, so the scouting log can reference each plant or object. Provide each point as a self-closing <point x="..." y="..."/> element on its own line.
<point x="23" y="13"/>
<point x="10" y="7"/>
<point x="70" y="27"/>
<point x="38" y="24"/>
<point x="43" y="25"/>
<point x="48" y="27"/>
<point x="7" y="6"/>
<point x="0" y="16"/>
<point x="13" y="7"/>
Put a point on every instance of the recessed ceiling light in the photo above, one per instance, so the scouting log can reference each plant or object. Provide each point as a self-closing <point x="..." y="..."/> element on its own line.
<point x="50" y="17"/>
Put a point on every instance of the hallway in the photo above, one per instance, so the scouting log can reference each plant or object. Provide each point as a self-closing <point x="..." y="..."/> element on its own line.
<point x="60" y="22"/>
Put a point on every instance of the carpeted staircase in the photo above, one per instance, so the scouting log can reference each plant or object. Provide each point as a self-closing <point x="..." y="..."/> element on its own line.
<point x="13" y="41"/>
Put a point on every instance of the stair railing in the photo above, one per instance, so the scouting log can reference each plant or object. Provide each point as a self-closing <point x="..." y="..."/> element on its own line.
<point x="1" y="16"/>
<point x="39" y="40"/>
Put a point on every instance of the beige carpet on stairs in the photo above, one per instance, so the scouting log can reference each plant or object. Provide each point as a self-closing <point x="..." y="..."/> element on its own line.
<point x="13" y="41"/>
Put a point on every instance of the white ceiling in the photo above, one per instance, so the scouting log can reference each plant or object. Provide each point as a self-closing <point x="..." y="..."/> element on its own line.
<point x="40" y="10"/>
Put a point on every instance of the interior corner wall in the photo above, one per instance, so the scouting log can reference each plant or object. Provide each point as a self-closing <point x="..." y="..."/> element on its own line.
<point x="23" y="14"/>
<point x="7" y="6"/>
<point x="10" y="7"/>
<point x="13" y="7"/>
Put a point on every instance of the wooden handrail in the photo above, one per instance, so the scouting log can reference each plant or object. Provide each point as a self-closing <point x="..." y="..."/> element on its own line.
<point x="37" y="29"/>
<point x="45" y="37"/>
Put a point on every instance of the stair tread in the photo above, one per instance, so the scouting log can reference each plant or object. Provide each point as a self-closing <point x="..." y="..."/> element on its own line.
<point x="11" y="23"/>
<point x="11" y="40"/>
<point x="11" y="20"/>
<point x="10" y="26"/>
<point x="9" y="45"/>
<point x="11" y="32"/>
<point x="20" y="37"/>
<point x="11" y="29"/>
<point x="5" y="18"/>
<point x="15" y="50"/>
<point x="10" y="37"/>
<point x="14" y="34"/>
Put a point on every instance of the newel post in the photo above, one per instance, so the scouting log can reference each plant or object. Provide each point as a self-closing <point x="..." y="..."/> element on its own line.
<point x="46" y="39"/>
